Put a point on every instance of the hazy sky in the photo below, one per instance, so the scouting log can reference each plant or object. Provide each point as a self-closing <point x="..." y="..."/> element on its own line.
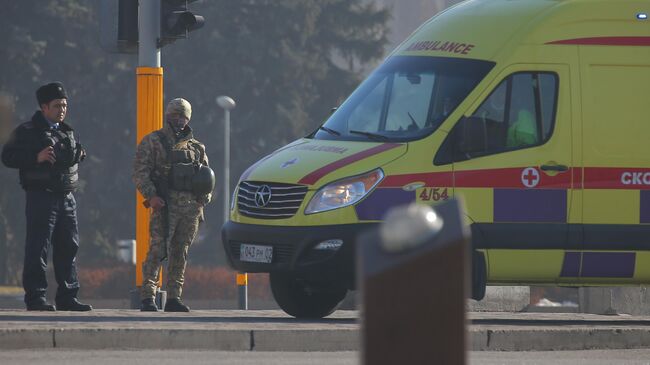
<point x="409" y="14"/>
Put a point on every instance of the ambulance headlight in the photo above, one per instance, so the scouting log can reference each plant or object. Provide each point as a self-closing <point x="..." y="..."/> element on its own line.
<point x="344" y="192"/>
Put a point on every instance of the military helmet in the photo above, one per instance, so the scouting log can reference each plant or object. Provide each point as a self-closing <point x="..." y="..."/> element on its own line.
<point x="203" y="181"/>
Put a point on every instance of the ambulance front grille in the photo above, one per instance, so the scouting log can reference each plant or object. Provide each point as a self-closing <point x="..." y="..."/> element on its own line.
<point x="264" y="200"/>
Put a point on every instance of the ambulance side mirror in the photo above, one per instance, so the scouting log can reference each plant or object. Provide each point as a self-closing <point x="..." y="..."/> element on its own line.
<point x="470" y="136"/>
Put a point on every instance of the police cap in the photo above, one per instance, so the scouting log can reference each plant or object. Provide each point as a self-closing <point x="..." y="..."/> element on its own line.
<point x="49" y="92"/>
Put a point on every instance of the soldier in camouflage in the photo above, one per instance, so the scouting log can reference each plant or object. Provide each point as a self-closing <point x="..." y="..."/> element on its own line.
<point x="165" y="166"/>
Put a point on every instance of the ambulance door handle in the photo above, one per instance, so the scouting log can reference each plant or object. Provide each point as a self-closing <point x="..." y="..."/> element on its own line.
<point x="558" y="168"/>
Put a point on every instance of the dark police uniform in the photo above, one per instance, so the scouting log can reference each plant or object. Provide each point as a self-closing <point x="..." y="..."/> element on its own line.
<point x="51" y="207"/>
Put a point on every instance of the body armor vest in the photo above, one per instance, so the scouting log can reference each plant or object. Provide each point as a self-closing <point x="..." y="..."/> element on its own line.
<point x="63" y="175"/>
<point x="182" y="166"/>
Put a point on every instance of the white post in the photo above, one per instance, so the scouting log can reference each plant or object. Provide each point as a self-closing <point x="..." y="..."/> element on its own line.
<point x="226" y="165"/>
<point x="228" y="104"/>
<point x="148" y="32"/>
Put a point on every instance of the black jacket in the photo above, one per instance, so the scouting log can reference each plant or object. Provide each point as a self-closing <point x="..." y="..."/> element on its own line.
<point x="28" y="140"/>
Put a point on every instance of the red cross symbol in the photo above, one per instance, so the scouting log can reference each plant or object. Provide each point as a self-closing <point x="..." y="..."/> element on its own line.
<point x="530" y="177"/>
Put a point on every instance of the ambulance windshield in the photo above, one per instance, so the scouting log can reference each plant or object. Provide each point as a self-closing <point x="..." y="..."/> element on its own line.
<point x="406" y="99"/>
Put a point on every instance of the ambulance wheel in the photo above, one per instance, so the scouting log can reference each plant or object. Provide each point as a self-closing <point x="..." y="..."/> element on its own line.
<point x="303" y="299"/>
<point x="479" y="275"/>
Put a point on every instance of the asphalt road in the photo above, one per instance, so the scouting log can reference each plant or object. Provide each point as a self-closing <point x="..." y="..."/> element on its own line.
<point x="108" y="357"/>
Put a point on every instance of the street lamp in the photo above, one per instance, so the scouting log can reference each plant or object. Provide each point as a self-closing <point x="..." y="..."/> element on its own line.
<point x="227" y="103"/>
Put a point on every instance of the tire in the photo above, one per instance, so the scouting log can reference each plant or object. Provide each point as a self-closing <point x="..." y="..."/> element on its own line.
<point x="303" y="299"/>
<point x="479" y="275"/>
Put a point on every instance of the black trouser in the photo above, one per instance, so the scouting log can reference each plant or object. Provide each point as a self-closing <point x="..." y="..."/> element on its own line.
<point x="51" y="220"/>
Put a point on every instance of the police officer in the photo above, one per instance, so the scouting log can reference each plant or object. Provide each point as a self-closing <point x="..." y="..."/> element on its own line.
<point x="47" y="154"/>
<point x="172" y="174"/>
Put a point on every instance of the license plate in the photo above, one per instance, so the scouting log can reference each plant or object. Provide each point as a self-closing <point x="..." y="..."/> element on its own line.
<point x="255" y="253"/>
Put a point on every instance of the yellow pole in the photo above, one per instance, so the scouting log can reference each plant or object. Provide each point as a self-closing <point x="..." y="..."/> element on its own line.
<point x="242" y="289"/>
<point x="150" y="118"/>
<point x="242" y="279"/>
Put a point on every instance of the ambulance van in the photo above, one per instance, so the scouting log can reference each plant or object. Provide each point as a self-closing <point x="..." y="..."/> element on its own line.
<point x="536" y="112"/>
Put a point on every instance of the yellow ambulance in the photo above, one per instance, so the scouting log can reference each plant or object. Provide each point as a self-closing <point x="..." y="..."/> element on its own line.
<point x="536" y="112"/>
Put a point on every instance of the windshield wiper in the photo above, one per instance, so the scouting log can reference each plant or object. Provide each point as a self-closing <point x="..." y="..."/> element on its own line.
<point x="330" y="131"/>
<point x="374" y="136"/>
<point x="413" y="123"/>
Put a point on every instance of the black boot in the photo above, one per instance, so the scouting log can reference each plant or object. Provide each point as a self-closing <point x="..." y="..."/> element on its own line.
<point x="73" y="305"/>
<point x="148" y="305"/>
<point x="41" y="305"/>
<point x="175" y="305"/>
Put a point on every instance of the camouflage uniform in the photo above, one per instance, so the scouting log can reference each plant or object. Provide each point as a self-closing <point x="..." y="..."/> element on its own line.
<point x="172" y="228"/>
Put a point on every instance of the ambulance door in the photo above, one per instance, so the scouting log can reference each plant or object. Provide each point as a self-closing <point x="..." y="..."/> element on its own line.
<point x="512" y="165"/>
<point x="616" y="207"/>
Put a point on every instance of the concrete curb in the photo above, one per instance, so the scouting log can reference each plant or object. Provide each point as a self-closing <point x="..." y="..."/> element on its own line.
<point x="196" y="339"/>
<point x="311" y="340"/>
<point x="94" y="339"/>
<point x="275" y="331"/>
<point x="559" y="339"/>
<point x="307" y="340"/>
<point x="26" y="338"/>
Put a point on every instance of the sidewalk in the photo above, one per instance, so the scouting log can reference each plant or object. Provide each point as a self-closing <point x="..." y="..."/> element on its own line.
<point x="272" y="330"/>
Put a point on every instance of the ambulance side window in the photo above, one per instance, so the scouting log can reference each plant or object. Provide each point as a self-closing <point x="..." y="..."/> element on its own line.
<point x="519" y="113"/>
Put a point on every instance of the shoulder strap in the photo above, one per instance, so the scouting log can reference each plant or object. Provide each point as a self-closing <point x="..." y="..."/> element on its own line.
<point x="161" y="182"/>
<point x="165" y="142"/>
<point x="198" y="148"/>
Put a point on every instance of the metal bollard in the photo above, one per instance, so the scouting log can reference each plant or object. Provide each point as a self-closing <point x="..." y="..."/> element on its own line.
<point x="161" y="299"/>
<point x="413" y="273"/>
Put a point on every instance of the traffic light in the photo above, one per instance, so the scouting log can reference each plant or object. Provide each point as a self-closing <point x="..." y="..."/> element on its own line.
<point x="176" y="21"/>
<point x="118" y="25"/>
<point x="127" y="26"/>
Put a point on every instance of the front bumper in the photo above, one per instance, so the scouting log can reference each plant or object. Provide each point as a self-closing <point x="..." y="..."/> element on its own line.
<point x="293" y="249"/>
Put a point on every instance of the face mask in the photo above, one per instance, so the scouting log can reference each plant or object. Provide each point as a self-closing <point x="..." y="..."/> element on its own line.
<point x="177" y="124"/>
